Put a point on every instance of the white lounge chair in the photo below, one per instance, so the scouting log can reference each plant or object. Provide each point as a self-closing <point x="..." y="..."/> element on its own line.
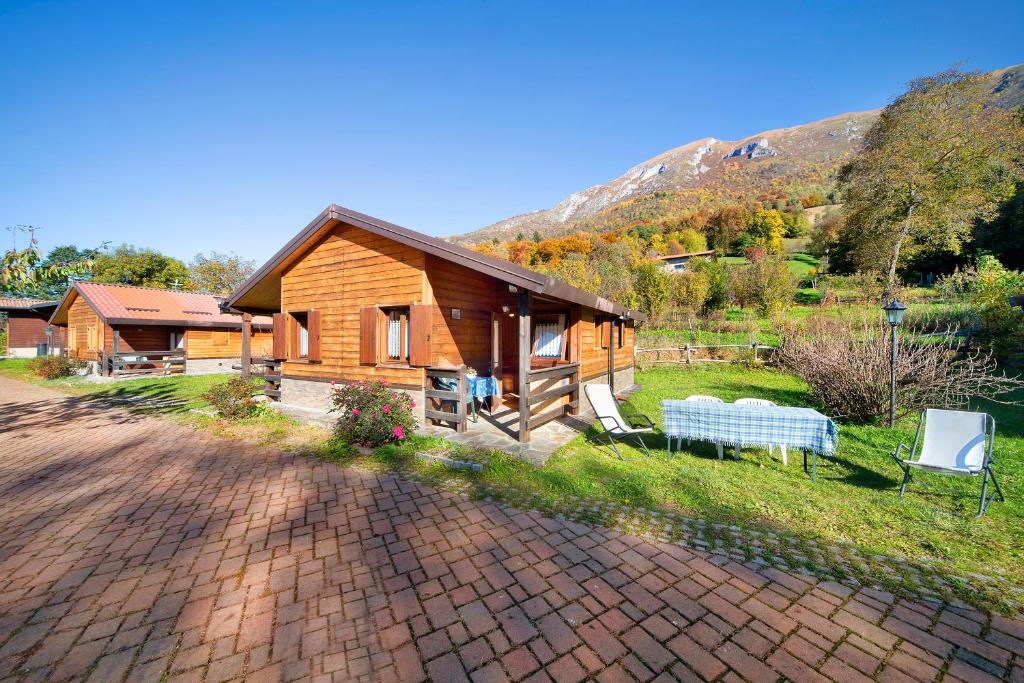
<point x="954" y="444"/>
<point x="764" y="402"/>
<point x="701" y="398"/>
<point x="606" y="409"/>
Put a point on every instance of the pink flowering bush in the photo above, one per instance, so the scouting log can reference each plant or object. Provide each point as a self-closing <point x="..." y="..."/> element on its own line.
<point x="371" y="414"/>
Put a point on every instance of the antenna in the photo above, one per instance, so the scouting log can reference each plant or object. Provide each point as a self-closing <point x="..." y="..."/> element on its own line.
<point x="176" y="285"/>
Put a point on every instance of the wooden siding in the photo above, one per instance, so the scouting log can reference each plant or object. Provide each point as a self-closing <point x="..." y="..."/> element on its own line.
<point x="25" y="330"/>
<point x="350" y="270"/>
<point x="468" y="339"/>
<point x="139" y="338"/>
<point x="346" y="270"/>
<point x="224" y="343"/>
<point x="594" y="359"/>
<point x="81" y="317"/>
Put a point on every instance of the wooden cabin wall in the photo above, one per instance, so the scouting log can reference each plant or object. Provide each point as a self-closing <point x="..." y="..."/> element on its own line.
<point x="210" y="342"/>
<point x="467" y="340"/>
<point x="139" y="338"/>
<point x="81" y="317"/>
<point x="594" y="358"/>
<point x="346" y="270"/>
<point x="25" y="329"/>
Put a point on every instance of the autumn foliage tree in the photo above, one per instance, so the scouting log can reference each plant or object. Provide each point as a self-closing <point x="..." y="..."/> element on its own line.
<point x="939" y="158"/>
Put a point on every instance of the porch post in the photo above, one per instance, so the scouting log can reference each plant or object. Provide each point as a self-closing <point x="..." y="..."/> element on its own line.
<point x="524" y="367"/>
<point x="611" y="353"/>
<point x="116" y="346"/>
<point x="246" y="344"/>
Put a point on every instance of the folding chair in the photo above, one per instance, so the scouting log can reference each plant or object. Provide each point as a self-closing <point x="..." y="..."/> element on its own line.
<point x="764" y="402"/>
<point x="953" y="444"/>
<point x="614" y="426"/>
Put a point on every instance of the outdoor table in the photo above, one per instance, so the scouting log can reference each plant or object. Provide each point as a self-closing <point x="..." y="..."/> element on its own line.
<point x="745" y="425"/>
<point x="483" y="388"/>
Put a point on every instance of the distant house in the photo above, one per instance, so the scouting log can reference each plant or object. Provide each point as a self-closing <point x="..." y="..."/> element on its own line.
<point x="677" y="262"/>
<point x="357" y="298"/>
<point x="122" y="329"/>
<point x="28" y="333"/>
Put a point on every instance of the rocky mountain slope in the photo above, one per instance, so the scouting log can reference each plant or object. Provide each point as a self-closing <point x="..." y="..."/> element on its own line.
<point x="710" y="172"/>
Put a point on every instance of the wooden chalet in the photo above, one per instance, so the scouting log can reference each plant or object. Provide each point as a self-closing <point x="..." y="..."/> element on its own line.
<point x="120" y="329"/>
<point x="28" y="332"/>
<point x="354" y="297"/>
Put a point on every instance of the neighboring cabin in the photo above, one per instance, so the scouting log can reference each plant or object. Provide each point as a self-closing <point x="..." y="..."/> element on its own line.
<point x="119" y="328"/>
<point x="356" y="298"/>
<point x="677" y="262"/>
<point x="28" y="333"/>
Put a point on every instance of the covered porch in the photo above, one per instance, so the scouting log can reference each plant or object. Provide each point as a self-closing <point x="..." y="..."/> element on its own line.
<point x="538" y="350"/>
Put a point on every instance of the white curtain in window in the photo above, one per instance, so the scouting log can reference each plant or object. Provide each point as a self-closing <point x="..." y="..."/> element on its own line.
<point x="394" y="334"/>
<point x="549" y="340"/>
<point x="303" y="341"/>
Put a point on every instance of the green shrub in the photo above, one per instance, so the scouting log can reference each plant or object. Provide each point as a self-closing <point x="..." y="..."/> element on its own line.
<point x="371" y="413"/>
<point x="718" y="282"/>
<point x="234" y="399"/>
<point x="54" y="367"/>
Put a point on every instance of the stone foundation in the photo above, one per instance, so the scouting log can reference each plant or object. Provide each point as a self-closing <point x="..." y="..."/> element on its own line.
<point x="22" y="352"/>
<point x="210" y="366"/>
<point x="316" y="395"/>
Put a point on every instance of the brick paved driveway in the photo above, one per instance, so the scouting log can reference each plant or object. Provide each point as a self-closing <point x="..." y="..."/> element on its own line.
<point x="131" y="547"/>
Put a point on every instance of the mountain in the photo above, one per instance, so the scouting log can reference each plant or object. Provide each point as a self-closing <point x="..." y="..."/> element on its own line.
<point x="710" y="172"/>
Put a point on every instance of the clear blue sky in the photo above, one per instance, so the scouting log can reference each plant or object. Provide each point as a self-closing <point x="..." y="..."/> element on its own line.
<point x="196" y="127"/>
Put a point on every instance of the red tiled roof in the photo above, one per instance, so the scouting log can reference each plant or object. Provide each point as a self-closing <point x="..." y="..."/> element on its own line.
<point x="116" y="302"/>
<point x="22" y="303"/>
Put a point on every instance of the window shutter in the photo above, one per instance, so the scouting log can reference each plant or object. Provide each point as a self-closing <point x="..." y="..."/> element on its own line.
<point x="420" y="334"/>
<point x="606" y="333"/>
<point x="279" y="351"/>
<point x="313" y="329"/>
<point x="368" y="335"/>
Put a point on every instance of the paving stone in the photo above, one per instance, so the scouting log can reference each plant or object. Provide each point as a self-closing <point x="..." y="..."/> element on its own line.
<point x="155" y="541"/>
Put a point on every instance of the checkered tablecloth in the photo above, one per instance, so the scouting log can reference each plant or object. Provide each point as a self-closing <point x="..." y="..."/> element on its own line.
<point x="800" y="428"/>
<point x="482" y="387"/>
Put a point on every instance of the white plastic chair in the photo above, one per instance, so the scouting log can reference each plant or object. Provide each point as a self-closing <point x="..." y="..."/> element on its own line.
<point x="702" y="398"/>
<point x="614" y="425"/>
<point x="954" y="444"/>
<point x="764" y="402"/>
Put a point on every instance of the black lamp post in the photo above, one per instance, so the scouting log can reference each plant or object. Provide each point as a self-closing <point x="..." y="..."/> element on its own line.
<point x="894" y="312"/>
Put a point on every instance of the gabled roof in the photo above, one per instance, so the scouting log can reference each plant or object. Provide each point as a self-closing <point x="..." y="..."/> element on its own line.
<point x="692" y="254"/>
<point x="123" y="304"/>
<point x="262" y="291"/>
<point x="36" y="305"/>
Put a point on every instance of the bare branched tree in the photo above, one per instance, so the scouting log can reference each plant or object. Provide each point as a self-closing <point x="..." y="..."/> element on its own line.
<point x="847" y="366"/>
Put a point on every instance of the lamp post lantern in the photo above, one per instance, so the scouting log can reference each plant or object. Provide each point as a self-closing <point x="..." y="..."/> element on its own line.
<point x="894" y="312"/>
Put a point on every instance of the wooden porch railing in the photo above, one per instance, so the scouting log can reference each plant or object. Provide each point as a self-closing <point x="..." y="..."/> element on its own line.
<point x="529" y="398"/>
<point x="272" y="378"/>
<point x="134" y="362"/>
<point x="433" y="410"/>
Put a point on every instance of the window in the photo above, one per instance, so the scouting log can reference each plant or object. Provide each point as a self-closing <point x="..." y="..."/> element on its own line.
<point x="549" y="337"/>
<point x="300" y="343"/>
<point x="602" y="331"/>
<point x="72" y="338"/>
<point x="396" y="334"/>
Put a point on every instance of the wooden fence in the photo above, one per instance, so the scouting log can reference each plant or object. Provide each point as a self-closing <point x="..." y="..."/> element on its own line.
<point x="145" y="362"/>
<point x="690" y="353"/>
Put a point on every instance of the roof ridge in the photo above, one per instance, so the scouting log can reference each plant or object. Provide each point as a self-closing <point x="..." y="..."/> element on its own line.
<point x="125" y="285"/>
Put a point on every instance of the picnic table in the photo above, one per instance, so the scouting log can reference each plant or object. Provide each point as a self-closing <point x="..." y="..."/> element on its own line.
<point x="745" y="425"/>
